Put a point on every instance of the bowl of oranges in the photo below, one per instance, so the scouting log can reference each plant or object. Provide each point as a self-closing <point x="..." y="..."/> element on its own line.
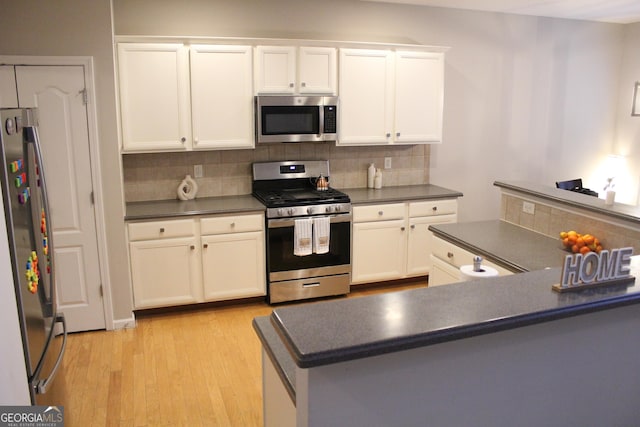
<point x="580" y="243"/>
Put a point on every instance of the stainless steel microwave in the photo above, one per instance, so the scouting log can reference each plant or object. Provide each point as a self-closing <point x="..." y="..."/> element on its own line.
<point x="296" y="118"/>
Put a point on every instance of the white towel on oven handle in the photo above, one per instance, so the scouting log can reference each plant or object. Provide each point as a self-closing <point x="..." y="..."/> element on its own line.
<point x="302" y="236"/>
<point x="321" y="234"/>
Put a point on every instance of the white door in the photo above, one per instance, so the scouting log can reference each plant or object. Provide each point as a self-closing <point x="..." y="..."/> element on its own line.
<point x="379" y="251"/>
<point x="58" y="92"/>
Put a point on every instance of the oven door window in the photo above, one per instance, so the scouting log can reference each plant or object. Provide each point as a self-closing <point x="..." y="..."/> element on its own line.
<point x="287" y="120"/>
<point x="281" y="257"/>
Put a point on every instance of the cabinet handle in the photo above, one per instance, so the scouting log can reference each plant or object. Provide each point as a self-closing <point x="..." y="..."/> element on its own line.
<point x="233" y="224"/>
<point x="388" y="135"/>
<point x="380" y="213"/>
<point x="435" y="208"/>
<point x="162" y="229"/>
<point x="193" y="247"/>
<point x="206" y="245"/>
<point x="183" y="139"/>
<point x="303" y="84"/>
<point x="413" y="226"/>
<point x="291" y="84"/>
<point x="397" y="133"/>
<point x="449" y="254"/>
<point x="402" y="228"/>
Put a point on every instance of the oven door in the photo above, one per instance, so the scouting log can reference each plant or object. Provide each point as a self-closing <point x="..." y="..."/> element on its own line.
<point x="292" y="277"/>
<point x="284" y="265"/>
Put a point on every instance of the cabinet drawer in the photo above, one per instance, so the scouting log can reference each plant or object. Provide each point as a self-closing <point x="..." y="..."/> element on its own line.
<point x="378" y="212"/>
<point x="433" y="207"/>
<point x="450" y="253"/>
<point x="161" y="229"/>
<point x="457" y="257"/>
<point x="232" y="224"/>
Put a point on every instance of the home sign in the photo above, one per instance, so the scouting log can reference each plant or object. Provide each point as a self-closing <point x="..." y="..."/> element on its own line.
<point x="595" y="269"/>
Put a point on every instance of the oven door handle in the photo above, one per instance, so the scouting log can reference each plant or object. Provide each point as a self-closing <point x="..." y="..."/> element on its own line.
<point x="288" y="222"/>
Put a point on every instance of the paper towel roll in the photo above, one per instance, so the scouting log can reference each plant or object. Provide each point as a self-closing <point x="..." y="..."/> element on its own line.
<point x="467" y="273"/>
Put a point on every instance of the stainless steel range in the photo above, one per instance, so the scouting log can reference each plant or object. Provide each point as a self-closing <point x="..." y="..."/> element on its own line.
<point x="308" y="236"/>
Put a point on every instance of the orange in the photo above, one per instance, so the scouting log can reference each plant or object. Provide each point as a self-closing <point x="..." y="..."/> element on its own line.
<point x="588" y="239"/>
<point x="575" y="249"/>
<point x="580" y="242"/>
<point x="585" y="250"/>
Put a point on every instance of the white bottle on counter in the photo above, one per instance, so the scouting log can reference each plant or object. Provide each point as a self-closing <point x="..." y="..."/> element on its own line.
<point x="371" y="173"/>
<point x="378" y="179"/>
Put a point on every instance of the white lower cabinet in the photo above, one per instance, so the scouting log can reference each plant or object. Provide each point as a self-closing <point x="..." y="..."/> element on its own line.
<point x="447" y="259"/>
<point x="393" y="241"/>
<point x="173" y="262"/>
<point x="233" y="259"/>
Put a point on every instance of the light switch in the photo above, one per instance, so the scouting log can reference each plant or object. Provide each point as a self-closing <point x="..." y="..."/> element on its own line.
<point x="197" y="171"/>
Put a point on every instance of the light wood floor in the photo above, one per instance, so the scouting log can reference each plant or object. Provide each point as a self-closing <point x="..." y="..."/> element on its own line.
<point x="187" y="368"/>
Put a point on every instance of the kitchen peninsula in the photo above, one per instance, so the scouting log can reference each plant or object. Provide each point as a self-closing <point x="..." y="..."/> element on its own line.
<point x="502" y="351"/>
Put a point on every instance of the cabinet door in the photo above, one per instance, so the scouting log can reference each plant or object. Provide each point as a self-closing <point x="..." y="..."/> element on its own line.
<point x="420" y="243"/>
<point x="233" y="265"/>
<point x="442" y="273"/>
<point x="419" y="94"/>
<point x="165" y="272"/>
<point x="366" y="96"/>
<point x="222" y="97"/>
<point x="154" y="96"/>
<point x="317" y="70"/>
<point x="275" y="70"/>
<point x="378" y="251"/>
<point x="8" y="91"/>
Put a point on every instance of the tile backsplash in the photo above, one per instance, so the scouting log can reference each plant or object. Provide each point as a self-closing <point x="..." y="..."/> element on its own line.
<point x="550" y="221"/>
<point x="156" y="176"/>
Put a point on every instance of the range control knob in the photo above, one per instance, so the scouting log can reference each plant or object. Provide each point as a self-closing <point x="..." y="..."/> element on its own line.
<point x="337" y="208"/>
<point x="309" y="210"/>
<point x="329" y="209"/>
<point x="280" y="212"/>
<point x="290" y="211"/>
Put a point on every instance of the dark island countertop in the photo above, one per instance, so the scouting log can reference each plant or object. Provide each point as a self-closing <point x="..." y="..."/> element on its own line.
<point x="404" y="193"/>
<point x="335" y="331"/>
<point x="515" y="248"/>
<point x="594" y="204"/>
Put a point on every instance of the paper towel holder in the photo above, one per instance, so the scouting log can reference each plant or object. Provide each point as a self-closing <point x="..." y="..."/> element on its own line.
<point x="477" y="264"/>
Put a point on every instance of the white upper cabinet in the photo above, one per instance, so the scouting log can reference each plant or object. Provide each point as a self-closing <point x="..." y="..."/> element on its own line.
<point x="292" y="70"/>
<point x="317" y="70"/>
<point x="366" y="96"/>
<point x="8" y="91"/>
<point x="154" y="96"/>
<point x="419" y="95"/>
<point x="390" y="97"/>
<point x="221" y="96"/>
<point x="176" y="98"/>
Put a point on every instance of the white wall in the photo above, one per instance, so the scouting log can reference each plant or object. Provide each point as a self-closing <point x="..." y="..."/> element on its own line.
<point x="14" y="386"/>
<point x="627" y="139"/>
<point x="525" y="98"/>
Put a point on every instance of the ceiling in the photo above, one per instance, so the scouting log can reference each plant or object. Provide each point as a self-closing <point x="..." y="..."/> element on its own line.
<point x="616" y="11"/>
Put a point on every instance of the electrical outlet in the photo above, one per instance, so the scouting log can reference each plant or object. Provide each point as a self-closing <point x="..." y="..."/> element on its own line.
<point x="528" y="207"/>
<point x="387" y="162"/>
<point x="197" y="171"/>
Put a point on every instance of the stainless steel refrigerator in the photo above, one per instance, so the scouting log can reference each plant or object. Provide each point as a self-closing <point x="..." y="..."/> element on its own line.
<point x="24" y="195"/>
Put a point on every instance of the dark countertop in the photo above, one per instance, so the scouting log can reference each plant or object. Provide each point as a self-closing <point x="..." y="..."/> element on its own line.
<point x="510" y="246"/>
<point x="571" y="198"/>
<point x="247" y="203"/>
<point x="204" y="206"/>
<point x="402" y="193"/>
<point x="335" y="331"/>
<point x="277" y="352"/>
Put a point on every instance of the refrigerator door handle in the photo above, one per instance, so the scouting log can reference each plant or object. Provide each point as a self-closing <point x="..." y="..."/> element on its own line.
<point x="45" y="205"/>
<point x="41" y="385"/>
